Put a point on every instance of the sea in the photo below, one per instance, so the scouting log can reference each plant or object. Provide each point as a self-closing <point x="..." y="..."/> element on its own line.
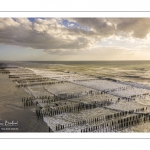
<point x="136" y="73"/>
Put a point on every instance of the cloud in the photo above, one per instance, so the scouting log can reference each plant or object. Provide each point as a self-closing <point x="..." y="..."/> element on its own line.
<point x="137" y="27"/>
<point x="47" y="34"/>
<point x="70" y="25"/>
<point x="52" y="36"/>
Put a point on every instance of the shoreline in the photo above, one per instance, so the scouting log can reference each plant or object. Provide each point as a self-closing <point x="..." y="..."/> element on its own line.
<point x="63" y="114"/>
<point x="11" y="109"/>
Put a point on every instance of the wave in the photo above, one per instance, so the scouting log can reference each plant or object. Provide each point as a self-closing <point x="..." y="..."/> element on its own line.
<point x="138" y="85"/>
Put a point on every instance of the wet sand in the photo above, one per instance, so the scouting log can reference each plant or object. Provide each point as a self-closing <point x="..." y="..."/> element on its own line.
<point x="12" y="109"/>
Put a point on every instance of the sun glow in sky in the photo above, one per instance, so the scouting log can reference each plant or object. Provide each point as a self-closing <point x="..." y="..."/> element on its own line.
<point x="51" y="39"/>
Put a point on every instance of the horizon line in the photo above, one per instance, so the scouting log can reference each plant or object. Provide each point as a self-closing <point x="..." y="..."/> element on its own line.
<point x="72" y="60"/>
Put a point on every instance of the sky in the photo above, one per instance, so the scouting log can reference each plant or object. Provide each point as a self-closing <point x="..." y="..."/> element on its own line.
<point x="73" y="39"/>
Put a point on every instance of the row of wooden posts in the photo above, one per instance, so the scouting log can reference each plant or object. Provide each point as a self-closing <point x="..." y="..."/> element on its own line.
<point x="144" y="94"/>
<point x="65" y="109"/>
<point x="33" y="81"/>
<point x="4" y="71"/>
<point x="133" y="96"/>
<point x="46" y="99"/>
<point x="27" y="78"/>
<point x="28" y="102"/>
<point x="32" y="84"/>
<point x="30" y="79"/>
<point x="124" y="88"/>
<point x="97" y="119"/>
<point x="49" y="99"/>
<point x="21" y="75"/>
<point x="38" y="97"/>
<point x="71" y="108"/>
<point x="119" y="124"/>
<point x="130" y="97"/>
<point x="116" y="89"/>
<point x="37" y="83"/>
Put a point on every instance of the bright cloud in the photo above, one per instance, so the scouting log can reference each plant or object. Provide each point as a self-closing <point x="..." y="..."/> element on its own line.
<point x="77" y="35"/>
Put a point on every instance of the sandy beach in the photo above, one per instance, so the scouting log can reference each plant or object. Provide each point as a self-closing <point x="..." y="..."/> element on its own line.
<point x="11" y="108"/>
